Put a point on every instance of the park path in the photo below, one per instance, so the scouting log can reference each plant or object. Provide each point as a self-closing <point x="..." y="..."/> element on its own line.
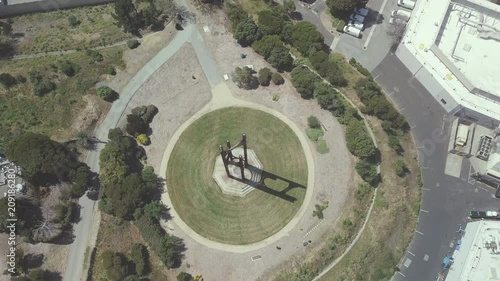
<point x="86" y="229"/>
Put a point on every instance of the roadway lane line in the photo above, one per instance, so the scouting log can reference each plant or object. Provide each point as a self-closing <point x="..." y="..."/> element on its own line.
<point x="401" y="274"/>
<point x="401" y="109"/>
<point x="428" y="189"/>
<point x="419" y="232"/>
<point x="411" y="253"/>
<point x="425" y="211"/>
<point x="373" y="27"/>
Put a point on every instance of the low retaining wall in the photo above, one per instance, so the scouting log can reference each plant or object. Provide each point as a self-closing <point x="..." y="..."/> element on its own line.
<point x="14" y="8"/>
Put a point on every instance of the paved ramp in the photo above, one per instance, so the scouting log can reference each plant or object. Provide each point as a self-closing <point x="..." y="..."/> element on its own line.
<point x="453" y="165"/>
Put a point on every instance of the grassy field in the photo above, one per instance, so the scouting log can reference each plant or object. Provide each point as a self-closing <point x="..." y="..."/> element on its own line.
<point x="229" y="219"/>
<point x="118" y="236"/>
<point x="52" y="114"/>
<point x="51" y="31"/>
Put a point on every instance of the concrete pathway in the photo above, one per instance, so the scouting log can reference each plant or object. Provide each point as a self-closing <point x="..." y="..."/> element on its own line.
<point x="222" y="98"/>
<point x="86" y="229"/>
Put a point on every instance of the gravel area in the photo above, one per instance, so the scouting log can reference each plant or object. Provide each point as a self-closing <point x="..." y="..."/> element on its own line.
<point x="176" y="94"/>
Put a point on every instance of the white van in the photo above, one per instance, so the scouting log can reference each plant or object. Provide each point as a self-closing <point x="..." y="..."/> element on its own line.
<point x="401" y="14"/>
<point x="408" y="4"/>
<point x="355" y="24"/>
<point x="358" y="18"/>
<point x="352" y="31"/>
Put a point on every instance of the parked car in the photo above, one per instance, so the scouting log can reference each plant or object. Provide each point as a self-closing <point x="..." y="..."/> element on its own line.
<point x="362" y="11"/>
<point x="358" y="18"/>
<point x="355" y="24"/>
<point x="352" y="31"/>
<point x="397" y="21"/>
<point x="408" y="4"/>
<point x="401" y="14"/>
<point x="484" y="215"/>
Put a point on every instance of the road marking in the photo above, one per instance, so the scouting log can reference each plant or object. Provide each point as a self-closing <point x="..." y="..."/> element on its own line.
<point x="334" y="43"/>
<point x="396" y="89"/>
<point x="316" y="226"/>
<point x="426" y="257"/>
<point x="411" y="253"/>
<point x="452" y="245"/>
<point x="419" y="232"/>
<point x="391" y="93"/>
<point x="424" y="188"/>
<point x="407" y="262"/>
<point x="374" y="26"/>
<point x="376" y="76"/>
<point x="401" y="274"/>
<point x="401" y="109"/>
<point x="425" y="211"/>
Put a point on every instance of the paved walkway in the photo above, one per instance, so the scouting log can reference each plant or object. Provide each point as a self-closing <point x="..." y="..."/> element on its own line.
<point x="86" y="229"/>
<point x="222" y="98"/>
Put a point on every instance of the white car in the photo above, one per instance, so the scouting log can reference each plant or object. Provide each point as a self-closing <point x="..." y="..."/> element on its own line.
<point x="352" y="31"/>
<point x="408" y="4"/>
<point x="401" y="14"/>
<point x="358" y="18"/>
<point x="355" y="24"/>
<point x="362" y="11"/>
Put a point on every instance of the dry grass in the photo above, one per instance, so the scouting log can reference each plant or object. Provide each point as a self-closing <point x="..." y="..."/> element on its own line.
<point x="225" y="218"/>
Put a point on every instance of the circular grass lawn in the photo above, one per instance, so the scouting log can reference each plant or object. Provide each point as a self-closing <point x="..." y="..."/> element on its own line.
<point x="230" y="219"/>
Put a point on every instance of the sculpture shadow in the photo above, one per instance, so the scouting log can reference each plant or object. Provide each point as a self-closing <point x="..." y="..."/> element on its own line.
<point x="264" y="188"/>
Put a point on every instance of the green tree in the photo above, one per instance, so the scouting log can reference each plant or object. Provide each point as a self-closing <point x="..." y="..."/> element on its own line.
<point x="342" y="7"/>
<point x="126" y="16"/>
<point x="38" y="275"/>
<point x="235" y="13"/>
<point x="289" y="6"/>
<point x="106" y="93"/>
<point x="266" y="45"/>
<point x="127" y="196"/>
<point x="67" y="68"/>
<point x="81" y="181"/>
<point x="367" y="171"/>
<point x="133" y="43"/>
<point x="325" y="95"/>
<point x="140" y="257"/>
<point x="313" y="122"/>
<point x="328" y="69"/>
<point x="43" y="87"/>
<point x="243" y="77"/>
<point x="247" y="32"/>
<point x="306" y="38"/>
<point x="136" y="125"/>
<point x="184" y="276"/>
<point x="270" y="23"/>
<point x="280" y="58"/>
<point x="277" y="79"/>
<point x="394" y="144"/>
<point x="359" y="141"/>
<point x="304" y="81"/>
<point x="114" y="264"/>
<point x="265" y="75"/>
<point x="7" y="80"/>
<point x="84" y="140"/>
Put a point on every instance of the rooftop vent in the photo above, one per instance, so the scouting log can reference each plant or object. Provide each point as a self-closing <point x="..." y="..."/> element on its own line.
<point x="484" y="150"/>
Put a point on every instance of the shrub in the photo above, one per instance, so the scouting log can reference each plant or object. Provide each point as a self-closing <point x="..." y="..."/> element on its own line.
<point x="340" y="26"/>
<point x="73" y="21"/>
<point x="306" y="38"/>
<point x="304" y="81"/>
<point x="400" y="167"/>
<point x="110" y="70"/>
<point x="143" y="139"/>
<point x="114" y="265"/>
<point x="265" y="75"/>
<point x="7" y="80"/>
<point x="94" y="55"/>
<point x="359" y="141"/>
<point x="394" y="144"/>
<point x="270" y="22"/>
<point x="107" y="94"/>
<point x="184" y="276"/>
<point x="362" y="190"/>
<point x="43" y="87"/>
<point x="277" y="79"/>
<point x="364" y="71"/>
<point x="322" y="147"/>
<point x="140" y="258"/>
<point x="133" y="43"/>
<point x="313" y="122"/>
<point x="353" y="62"/>
<point x="314" y="134"/>
<point x="367" y="171"/>
<point x="67" y="68"/>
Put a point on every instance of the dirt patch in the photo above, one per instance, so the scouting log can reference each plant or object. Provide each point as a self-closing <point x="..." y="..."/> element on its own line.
<point x="88" y="115"/>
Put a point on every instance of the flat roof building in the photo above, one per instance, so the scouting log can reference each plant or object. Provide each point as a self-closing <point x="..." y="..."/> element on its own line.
<point x="451" y="47"/>
<point x="478" y="257"/>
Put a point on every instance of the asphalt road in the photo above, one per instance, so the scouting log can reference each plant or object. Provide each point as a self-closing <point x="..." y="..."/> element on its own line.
<point x="445" y="199"/>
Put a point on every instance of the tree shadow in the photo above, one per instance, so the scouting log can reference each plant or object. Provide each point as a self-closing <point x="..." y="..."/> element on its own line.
<point x="373" y="18"/>
<point x="53" y="276"/>
<point x="33" y="260"/>
<point x="296" y="16"/>
<point x="66" y="238"/>
<point x="263" y="187"/>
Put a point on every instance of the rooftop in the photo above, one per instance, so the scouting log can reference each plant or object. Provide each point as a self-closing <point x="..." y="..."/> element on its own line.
<point x="479" y="254"/>
<point x="459" y="48"/>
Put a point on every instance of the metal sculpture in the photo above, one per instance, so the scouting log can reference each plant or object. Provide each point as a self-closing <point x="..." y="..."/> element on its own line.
<point x="228" y="157"/>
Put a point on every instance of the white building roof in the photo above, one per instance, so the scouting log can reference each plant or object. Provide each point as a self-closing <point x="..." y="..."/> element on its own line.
<point x="478" y="258"/>
<point x="458" y="43"/>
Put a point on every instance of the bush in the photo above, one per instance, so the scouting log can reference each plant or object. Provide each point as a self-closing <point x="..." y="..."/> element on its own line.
<point x="133" y="43"/>
<point x="322" y="147"/>
<point x="340" y="26"/>
<point x="394" y="144"/>
<point x="67" y="68"/>
<point x="143" y="139"/>
<point x="7" y="80"/>
<point x="73" y="21"/>
<point x="265" y="75"/>
<point x="304" y="80"/>
<point x="114" y="264"/>
<point x="94" y="55"/>
<point x="313" y="122"/>
<point x="306" y="38"/>
<point x="400" y="168"/>
<point x="107" y="94"/>
<point x="367" y="171"/>
<point x="140" y="258"/>
<point x="277" y="79"/>
<point x="43" y="87"/>
<point x="353" y="62"/>
<point x="362" y="190"/>
<point x="110" y="70"/>
<point x="314" y="134"/>
<point x="184" y="276"/>
<point x="270" y="23"/>
<point x="359" y="141"/>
